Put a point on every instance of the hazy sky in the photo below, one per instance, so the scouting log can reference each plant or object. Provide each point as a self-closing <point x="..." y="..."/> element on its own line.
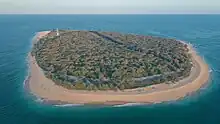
<point x="108" y="6"/>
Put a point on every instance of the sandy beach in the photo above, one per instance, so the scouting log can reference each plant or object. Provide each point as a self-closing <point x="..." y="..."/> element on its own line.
<point x="46" y="89"/>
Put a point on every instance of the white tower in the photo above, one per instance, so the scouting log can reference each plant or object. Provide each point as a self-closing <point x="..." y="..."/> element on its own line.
<point x="58" y="34"/>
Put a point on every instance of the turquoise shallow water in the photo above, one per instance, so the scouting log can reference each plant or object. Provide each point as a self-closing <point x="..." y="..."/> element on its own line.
<point x="18" y="107"/>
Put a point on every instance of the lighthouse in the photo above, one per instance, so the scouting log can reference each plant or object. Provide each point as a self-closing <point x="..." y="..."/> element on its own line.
<point x="58" y="34"/>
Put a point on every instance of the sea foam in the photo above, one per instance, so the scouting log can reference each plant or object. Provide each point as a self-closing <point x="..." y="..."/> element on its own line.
<point x="68" y="105"/>
<point x="129" y="104"/>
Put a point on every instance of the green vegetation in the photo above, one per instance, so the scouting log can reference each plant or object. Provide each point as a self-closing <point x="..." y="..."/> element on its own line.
<point x="90" y="60"/>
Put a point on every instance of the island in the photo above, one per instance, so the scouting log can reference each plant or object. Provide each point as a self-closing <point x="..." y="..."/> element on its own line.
<point x="94" y="67"/>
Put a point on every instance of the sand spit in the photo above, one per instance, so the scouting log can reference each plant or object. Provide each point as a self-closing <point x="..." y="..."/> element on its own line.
<point x="46" y="89"/>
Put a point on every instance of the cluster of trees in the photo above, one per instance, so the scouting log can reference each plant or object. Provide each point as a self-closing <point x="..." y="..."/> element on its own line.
<point x="110" y="61"/>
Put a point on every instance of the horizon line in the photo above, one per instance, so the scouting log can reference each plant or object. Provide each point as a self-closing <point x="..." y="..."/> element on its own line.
<point x="109" y="13"/>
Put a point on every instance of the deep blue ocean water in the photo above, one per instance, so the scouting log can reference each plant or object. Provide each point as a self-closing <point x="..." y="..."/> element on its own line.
<point x="18" y="107"/>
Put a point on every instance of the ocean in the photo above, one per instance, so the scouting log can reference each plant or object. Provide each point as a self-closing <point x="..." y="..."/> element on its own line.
<point x="18" y="106"/>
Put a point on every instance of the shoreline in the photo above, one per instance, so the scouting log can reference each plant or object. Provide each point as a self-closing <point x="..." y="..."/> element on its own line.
<point x="50" y="93"/>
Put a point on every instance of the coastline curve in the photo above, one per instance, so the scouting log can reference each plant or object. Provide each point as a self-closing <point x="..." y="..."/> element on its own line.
<point x="44" y="88"/>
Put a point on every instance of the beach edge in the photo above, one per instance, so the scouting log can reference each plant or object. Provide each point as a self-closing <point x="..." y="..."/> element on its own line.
<point x="40" y="89"/>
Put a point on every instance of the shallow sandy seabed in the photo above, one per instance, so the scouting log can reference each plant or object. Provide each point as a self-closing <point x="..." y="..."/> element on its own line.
<point x="46" y="89"/>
